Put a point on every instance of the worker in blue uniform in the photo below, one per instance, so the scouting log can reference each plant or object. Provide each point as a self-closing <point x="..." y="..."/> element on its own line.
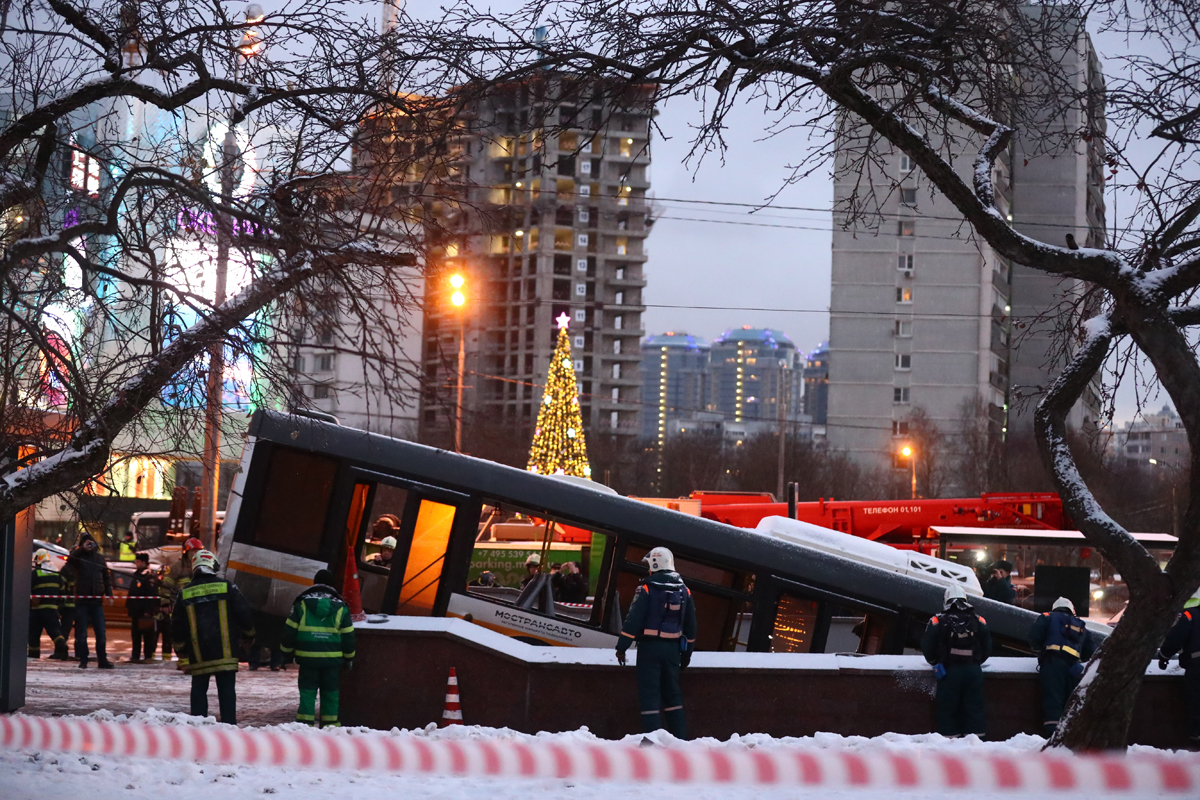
<point x="956" y="643"/>
<point x="1062" y="644"/>
<point x="1184" y="639"/>
<point x="662" y="621"/>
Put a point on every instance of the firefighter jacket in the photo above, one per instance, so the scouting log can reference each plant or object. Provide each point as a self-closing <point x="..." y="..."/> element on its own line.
<point x="89" y="572"/>
<point x="127" y="551"/>
<point x="45" y="582"/>
<point x="1184" y="638"/>
<point x="1057" y="634"/>
<point x="662" y="608"/>
<point x="210" y="616"/>
<point x="319" y="631"/>
<point x="957" y="636"/>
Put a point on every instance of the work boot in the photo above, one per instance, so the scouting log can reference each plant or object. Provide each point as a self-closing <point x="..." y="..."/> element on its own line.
<point x="105" y="664"/>
<point x="83" y="663"/>
<point x="60" y="651"/>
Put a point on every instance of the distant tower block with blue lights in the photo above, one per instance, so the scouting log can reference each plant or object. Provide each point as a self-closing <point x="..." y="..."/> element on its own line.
<point x="675" y="381"/>
<point x="816" y="384"/>
<point x="752" y="371"/>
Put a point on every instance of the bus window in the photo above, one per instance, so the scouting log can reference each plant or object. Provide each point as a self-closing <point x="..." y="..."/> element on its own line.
<point x="383" y="524"/>
<point x="853" y="631"/>
<point x="295" y="502"/>
<point x="795" y="624"/>
<point x="423" y="568"/>
<point x="507" y="540"/>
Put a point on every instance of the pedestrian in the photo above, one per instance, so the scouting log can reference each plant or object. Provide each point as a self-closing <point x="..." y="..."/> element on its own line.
<point x="662" y="621"/>
<point x="1061" y="642"/>
<point x="127" y="548"/>
<point x="383" y="559"/>
<point x="956" y="643"/>
<point x="89" y="573"/>
<point x="43" y="611"/>
<point x="998" y="585"/>
<point x="142" y="606"/>
<point x="321" y="636"/>
<point x="209" y="614"/>
<point x="574" y="585"/>
<point x="1184" y="639"/>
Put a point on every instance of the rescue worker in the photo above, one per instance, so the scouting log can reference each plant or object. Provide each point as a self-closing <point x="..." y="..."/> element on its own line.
<point x="1061" y="642"/>
<point x="321" y="636"/>
<point x="574" y="584"/>
<point x="387" y="548"/>
<point x="662" y="620"/>
<point x="88" y="571"/>
<point x="142" y="607"/>
<point x="998" y="585"/>
<point x="486" y="578"/>
<point x="174" y="582"/>
<point x="956" y="643"/>
<point x="43" y="612"/>
<point x="533" y="565"/>
<point x="210" y="612"/>
<point x="1184" y="639"/>
<point x="127" y="549"/>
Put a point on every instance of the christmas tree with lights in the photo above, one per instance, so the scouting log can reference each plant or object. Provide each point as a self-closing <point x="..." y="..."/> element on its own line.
<point x="558" y="446"/>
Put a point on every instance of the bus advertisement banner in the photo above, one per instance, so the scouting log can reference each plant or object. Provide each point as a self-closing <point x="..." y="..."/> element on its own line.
<point x="506" y="560"/>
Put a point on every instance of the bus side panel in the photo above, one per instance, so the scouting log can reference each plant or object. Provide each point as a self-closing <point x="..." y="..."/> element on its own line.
<point x="233" y="505"/>
<point x="270" y="580"/>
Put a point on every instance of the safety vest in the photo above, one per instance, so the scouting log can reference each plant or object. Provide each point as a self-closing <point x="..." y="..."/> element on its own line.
<point x="46" y="582"/>
<point x="127" y="551"/>
<point x="1066" y="634"/>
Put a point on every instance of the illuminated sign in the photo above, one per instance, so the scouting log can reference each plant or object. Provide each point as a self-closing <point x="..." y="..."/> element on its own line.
<point x="85" y="173"/>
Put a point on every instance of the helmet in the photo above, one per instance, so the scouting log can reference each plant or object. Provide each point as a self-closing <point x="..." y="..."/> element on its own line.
<point x="953" y="593"/>
<point x="660" y="559"/>
<point x="535" y="559"/>
<point x="41" y="557"/>
<point x="388" y="543"/>
<point x="1063" y="602"/>
<point x="192" y="544"/>
<point x="1193" y="601"/>
<point x="204" y="561"/>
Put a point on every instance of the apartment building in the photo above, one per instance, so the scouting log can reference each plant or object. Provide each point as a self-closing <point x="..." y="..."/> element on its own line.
<point x="754" y="371"/>
<point x="1154" y="440"/>
<point x="922" y="316"/>
<point x="549" y="217"/>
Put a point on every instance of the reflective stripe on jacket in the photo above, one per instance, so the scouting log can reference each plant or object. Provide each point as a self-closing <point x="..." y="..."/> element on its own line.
<point x="209" y="611"/>
<point x="319" y="630"/>
<point x="45" y="582"/>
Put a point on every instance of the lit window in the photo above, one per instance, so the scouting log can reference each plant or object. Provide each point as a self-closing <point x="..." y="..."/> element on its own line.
<point x="907" y="227"/>
<point x="904" y="294"/>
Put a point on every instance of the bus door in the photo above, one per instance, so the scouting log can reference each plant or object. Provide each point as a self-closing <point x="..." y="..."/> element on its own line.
<point x="402" y="532"/>
<point x="796" y="618"/>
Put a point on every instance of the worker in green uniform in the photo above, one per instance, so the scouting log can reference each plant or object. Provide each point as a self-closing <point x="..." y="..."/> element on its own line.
<point x="662" y="620"/>
<point x="1062" y="643"/>
<point x="43" y="611"/>
<point x="956" y="643"/>
<point x="321" y="636"/>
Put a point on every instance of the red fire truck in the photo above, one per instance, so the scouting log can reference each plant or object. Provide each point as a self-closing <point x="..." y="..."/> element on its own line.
<point x="905" y="524"/>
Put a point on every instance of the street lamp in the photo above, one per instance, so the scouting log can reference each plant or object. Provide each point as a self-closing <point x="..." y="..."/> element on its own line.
<point x="911" y="454"/>
<point x="250" y="46"/>
<point x="459" y="300"/>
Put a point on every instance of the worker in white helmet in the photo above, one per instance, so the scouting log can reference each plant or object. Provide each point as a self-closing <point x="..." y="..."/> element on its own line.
<point x="956" y="643"/>
<point x="387" y="548"/>
<point x="662" y="620"/>
<point x="1062" y="644"/>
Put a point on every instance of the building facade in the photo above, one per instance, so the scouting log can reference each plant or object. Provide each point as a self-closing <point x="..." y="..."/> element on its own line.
<point x="922" y="317"/>
<point x="756" y="375"/>
<point x="550" y="218"/>
<point x="1155" y="440"/>
<point x="816" y="384"/>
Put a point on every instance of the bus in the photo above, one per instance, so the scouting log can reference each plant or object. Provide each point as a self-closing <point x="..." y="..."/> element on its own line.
<point x="309" y="491"/>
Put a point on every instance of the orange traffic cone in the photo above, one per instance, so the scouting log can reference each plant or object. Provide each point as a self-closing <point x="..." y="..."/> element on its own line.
<point x="452" y="714"/>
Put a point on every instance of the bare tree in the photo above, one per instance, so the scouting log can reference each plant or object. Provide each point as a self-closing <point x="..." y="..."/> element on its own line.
<point x="144" y="148"/>
<point x="937" y="79"/>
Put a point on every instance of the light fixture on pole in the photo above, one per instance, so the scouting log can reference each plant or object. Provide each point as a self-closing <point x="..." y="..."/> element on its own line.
<point x="250" y="45"/>
<point x="459" y="300"/>
<point x="911" y="454"/>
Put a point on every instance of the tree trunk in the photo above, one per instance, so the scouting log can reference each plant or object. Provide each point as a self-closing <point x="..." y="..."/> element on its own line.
<point x="1099" y="713"/>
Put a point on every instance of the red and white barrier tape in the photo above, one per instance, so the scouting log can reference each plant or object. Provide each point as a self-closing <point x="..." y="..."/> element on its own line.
<point x="1135" y="775"/>
<point x="76" y="597"/>
<point x="573" y="605"/>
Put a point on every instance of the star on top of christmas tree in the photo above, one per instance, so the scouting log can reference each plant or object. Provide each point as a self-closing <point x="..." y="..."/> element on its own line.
<point x="558" y="445"/>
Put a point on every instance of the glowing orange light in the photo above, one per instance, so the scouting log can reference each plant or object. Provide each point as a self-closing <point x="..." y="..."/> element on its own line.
<point x="457" y="298"/>
<point x="457" y="281"/>
<point x="906" y="451"/>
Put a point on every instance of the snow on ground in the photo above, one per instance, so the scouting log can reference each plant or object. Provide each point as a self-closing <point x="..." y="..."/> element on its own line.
<point x="28" y="775"/>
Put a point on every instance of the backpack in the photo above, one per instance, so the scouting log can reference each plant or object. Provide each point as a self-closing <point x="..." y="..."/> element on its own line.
<point x="665" y="616"/>
<point x="960" y="637"/>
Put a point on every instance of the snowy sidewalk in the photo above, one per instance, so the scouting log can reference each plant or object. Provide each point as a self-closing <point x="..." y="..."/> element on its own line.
<point x="45" y="775"/>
